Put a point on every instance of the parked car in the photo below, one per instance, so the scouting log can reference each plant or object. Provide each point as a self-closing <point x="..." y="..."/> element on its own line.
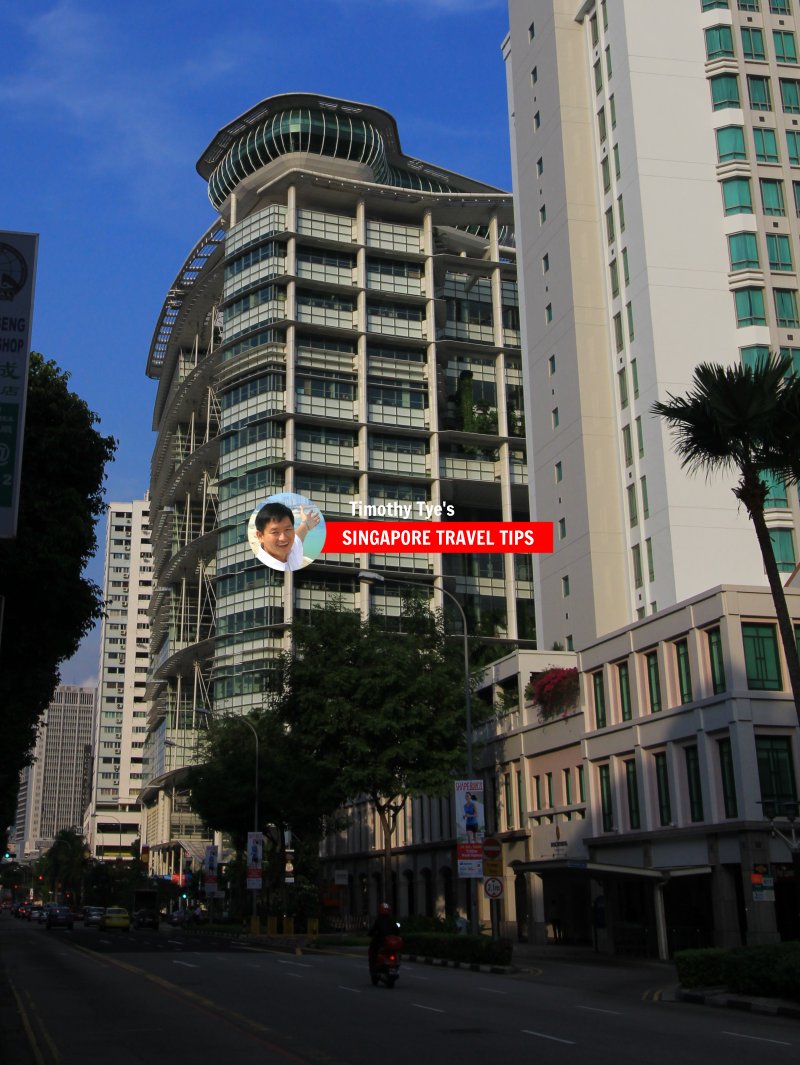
<point x="115" y="917"/>
<point x="58" y="917"/>
<point x="179" y="917"/>
<point x="35" y="912"/>
<point x="92" y="915"/>
<point x="146" y="919"/>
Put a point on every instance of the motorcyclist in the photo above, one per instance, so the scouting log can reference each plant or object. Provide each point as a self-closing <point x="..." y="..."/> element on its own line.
<point x="384" y="925"/>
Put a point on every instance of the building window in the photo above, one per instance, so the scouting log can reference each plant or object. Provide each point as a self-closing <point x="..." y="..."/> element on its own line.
<point x="558" y="470"/>
<point x="629" y="314"/>
<point x="639" y="437"/>
<point x="539" y="167"/>
<point x="727" y="777"/>
<point x="653" y="681"/>
<point x="548" y="778"/>
<point x="565" y="587"/>
<point x="619" y="339"/>
<point x="594" y="31"/>
<point x="719" y="42"/>
<point x="633" y="515"/>
<point x="776" y="775"/>
<point x="598" y="76"/>
<point x="606" y="804"/>
<point x="762" y="661"/>
<point x="537" y="792"/>
<point x="716" y="660"/>
<point x="626" y="273"/>
<point x="581" y="785"/>
<point x="793" y="147"/>
<point x="621" y="213"/>
<point x="794" y="355"/>
<point x="779" y="252"/>
<point x="624" y="683"/>
<point x="780" y="7"/>
<point x="604" y="13"/>
<point x="786" y="308"/>
<point x="627" y="447"/>
<point x="766" y="145"/>
<point x="748" y="5"/>
<point x="662" y="789"/>
<point x="684" y="671"/>
<point x="632" y="787"/>
<point x="617" y="165"/>
<point x="605" y="170"/>
<point x="777" y="496"/>
<point x="609" y="70"/>
<point x="568" y="787"/>
<point x="542" y="215"/>
<point x="614" y="275"/>
<point x="554" y="417"/>
<point x="730" y="144"/>
<point x="724" y="91"/>
<point x="636" y="557"/>
<point x="645" y="501"/>
<point x="749" y="307"/>
<point x="537" y="120"/>
<point x="736" y="196"/>
<point x="610" y="225"/>
<point x="710" y="5"/>
<point x="693" y="783"/>
<point x="651" y="568"/>
<point x="545" y="263"/>
<point x="772" y="197"/>
<point x="599" y="691"/>
<point x="570" y="642"/>
<point x="562" y="528"/>
<point x="743" y="251"/>
<point x="753" y="44"/>
<point x="790" y="96"/>
<point x="548" y="313"/>
<point x="758" y="92"/>
<point x="785" y="46"/>
<point x="602" y="126"/>
<point x="508" y="801"/>
<point x="622" y="384"/>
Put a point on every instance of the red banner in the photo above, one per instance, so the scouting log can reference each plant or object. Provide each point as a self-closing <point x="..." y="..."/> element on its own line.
<point x="439" y="537"/>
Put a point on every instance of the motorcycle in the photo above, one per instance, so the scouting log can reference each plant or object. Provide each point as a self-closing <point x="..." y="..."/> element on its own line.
<point x="385" y="964"/>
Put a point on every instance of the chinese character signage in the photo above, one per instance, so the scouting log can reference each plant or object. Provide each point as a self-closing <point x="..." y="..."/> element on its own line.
<point x="17" y="275"/>
<point x="470" y="827"/>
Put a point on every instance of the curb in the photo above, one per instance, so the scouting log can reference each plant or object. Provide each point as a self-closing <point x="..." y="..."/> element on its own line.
<point x="722" y="1000"/>
<point x="473" y="967"/>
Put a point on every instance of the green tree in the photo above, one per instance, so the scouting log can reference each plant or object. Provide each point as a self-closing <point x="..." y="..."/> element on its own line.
<point x="64" y="865"/>
<point x="375" y="712"/>
<point x="747" y="420"/>
<point x="49" y="604"/>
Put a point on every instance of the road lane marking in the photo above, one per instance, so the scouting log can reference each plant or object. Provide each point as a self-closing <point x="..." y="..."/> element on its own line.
<point x="492" y="991"/>
<point x="430" y="1009"/>
<point x="296" y="976"/>
<point x="188" y="964"/>
<point x="758" y="1039"/>
<point x="596" y="1009"/>
<point x="552" y="1038"/>
<point x="355" y="990"/>
<point x="298" y="964"/>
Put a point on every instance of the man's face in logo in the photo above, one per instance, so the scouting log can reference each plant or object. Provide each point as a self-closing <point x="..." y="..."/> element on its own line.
<point x="277" y="538"/>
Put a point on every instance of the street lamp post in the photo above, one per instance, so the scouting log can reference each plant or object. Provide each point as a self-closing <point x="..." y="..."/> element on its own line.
<point x="370" y="577"/>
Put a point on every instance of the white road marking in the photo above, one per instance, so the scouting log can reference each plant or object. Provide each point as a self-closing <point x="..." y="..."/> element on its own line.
<point x="355" y="990"/>
<point x="176" y="942"/>
<point x="187" y="964"/>
<point x="430" y="1009"/>
<point x="299" y="964"/>
<point x="552" y="1038"/>
<point x="595" y="1009"/>
<point x="757" y="1039"/>
<point x="252" y="965"/>
<point x="492" y="991"/>
<point x="297" y="976"/>
<point x="414" y="976"/>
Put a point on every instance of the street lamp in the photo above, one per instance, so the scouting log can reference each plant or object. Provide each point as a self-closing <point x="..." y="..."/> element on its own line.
<point x="369" y="577"/>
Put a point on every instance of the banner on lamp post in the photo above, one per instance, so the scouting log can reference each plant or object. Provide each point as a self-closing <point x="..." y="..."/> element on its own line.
<point x="210" y="860"/>
<point x="471" y="828"/>
<point x="255" y="857"/>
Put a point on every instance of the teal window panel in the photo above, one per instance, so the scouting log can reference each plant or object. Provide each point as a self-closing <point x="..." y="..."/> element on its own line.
<point x="753" y="355"/>
<point x="724" y="91"/>
<point x="779" y="252"/>
<point x="766" y="145"/>
<point x="730" y="144"/>
<point x="719" y="42"/>
<point x="753" y="44"/>
<point x="750" y="307"/>
<point x="599" y="691"/>
<point x="786" y="308"/>
<point x="783" y="546"/>
<point x="785" y="46"/>
<point x="624" y="682"/>
<point x="790" y="96"/>
<point x="743" y="251"/>
<point x="758" y="92"/>
<point x="727" y="777"/>
<point x="737" y="196"/>
<point x="662" y="789"/>
<point x="693" y="783"/>
<point x="632" y="789"/>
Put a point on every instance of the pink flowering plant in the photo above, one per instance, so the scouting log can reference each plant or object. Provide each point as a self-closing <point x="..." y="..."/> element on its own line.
<point x="555" y="691"/>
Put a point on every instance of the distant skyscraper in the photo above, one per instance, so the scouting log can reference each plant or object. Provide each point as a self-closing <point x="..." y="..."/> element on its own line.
<point x="656" y="160"/>
<point x="52" y="791"/>
<point x="113" y="820"/>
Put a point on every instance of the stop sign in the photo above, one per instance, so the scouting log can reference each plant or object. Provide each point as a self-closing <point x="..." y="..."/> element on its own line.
<point x="492" y="848"/>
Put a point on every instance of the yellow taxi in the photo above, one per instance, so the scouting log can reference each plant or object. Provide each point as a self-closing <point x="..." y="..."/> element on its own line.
<point x="115" y="917"/>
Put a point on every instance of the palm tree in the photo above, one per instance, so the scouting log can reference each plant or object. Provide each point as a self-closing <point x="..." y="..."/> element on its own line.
<point x="745" y="419"/>
<point x="66" y="862"/>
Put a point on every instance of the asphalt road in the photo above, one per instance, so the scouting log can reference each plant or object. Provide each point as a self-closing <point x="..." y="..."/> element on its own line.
<point x="157" y="998"/>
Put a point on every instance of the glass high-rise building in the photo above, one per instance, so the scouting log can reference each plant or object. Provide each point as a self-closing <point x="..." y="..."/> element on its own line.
<point x="347" y="330"/>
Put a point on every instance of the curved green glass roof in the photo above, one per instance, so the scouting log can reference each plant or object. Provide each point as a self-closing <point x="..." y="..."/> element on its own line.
<point x="302" y="122"/>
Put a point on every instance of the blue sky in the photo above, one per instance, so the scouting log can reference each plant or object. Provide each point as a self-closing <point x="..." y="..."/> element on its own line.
<point x="106" y="108"/>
